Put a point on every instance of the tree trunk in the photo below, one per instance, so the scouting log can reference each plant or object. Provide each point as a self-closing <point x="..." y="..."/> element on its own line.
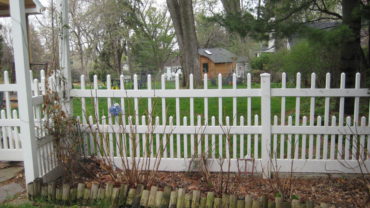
<point x="351" y="59"/>
<point x="232" y="7"/>
<point x="182" y="16"/>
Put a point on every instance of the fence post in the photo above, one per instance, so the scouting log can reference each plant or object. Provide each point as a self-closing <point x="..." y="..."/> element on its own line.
<point x="27" y="126"/>
<point x="266" y="123"/>
<point x="64" y="57"/>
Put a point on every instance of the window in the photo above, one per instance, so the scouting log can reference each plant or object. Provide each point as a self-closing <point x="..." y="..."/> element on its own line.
<point x="205" y="68"/>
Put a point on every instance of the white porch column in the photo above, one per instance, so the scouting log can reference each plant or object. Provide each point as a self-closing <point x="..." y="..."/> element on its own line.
<point x="19" y="33"/>
<point x="64" y="59"/>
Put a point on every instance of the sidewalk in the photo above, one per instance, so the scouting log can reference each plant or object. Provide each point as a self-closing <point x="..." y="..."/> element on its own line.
<point x="12" y="186"/>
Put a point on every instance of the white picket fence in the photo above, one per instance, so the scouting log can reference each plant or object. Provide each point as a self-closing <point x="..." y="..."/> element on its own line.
<point x="328" y="143"/>
<point x="11" y="139"/>
<point x="250" y="140"/>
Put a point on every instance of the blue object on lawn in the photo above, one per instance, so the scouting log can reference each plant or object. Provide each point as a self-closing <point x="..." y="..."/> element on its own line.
<point x="115" y="110"/>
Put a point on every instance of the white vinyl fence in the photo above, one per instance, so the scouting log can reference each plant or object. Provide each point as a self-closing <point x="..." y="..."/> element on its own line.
<point x="308" y="135"/>
<point x="11" y="139"/>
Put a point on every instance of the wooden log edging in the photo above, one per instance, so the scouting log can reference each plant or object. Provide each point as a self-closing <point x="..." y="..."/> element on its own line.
<point x="108" y="195"/>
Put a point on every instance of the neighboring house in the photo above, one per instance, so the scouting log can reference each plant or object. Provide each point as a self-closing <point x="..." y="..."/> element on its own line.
<point x="214" y="61"/>
<point x="288" y="43"/>
<point x="171" y="67"/>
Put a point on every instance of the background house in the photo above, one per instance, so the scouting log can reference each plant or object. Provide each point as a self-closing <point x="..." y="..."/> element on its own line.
<point x="287" y="43"/>
<point x="218" y="60"/>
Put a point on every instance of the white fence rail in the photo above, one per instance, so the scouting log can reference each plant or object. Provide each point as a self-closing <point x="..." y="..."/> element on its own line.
<point x="155" y="122"/>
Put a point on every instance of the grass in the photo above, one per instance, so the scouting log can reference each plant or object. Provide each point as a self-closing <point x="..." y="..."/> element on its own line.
<point x="213" y="108"/>
<point x="227" y="104"/>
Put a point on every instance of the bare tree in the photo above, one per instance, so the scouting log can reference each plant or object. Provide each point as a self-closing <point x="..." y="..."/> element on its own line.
<point x="231" y="6"/>
<point x="182" y="16"/>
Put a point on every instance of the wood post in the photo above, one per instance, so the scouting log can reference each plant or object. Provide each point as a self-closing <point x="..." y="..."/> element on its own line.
<point x="248" y="201"/>
<point x="166" y="197"/>
<point x="65" y="194"/>
<point x="144" y="199"/>
<point x="210" y="199"/>
<point x="217" y="203"/>
<point x="80" y="191"/>
<point x="152" y="196"/>
<point x="51" y="191"/>
<point x="158" y="199"/>
<point x="122" y="196"/>
<point x="173" y="199"/>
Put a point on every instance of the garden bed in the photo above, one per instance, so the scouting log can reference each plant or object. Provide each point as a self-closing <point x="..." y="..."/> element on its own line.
<point x="326" y="190"/>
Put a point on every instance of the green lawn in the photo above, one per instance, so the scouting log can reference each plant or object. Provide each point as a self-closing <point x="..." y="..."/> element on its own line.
<point x="227" y="105"/>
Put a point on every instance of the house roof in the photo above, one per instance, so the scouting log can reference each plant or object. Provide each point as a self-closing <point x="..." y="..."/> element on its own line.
<point x="32" y="7"/>
<point x="323" y="25"/>
<point x="220" y="55"/>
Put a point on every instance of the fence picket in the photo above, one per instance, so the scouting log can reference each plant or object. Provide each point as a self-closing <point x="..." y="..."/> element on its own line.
<point x="199" y="136"/>
<point x="92" y="140"/>
<point x="312" y="116"/>
<point x="110" y="121"/>
<point x="297" y="116"/>
<point x="123" y="141"/>
<point x="341" y="117"/>
<point x="282" y="116"/>
<point x="256" y="138"/>
<point x="83" y="101"/>
<point x="318" y="140"/>
<point x="275" y="142"/>
<point x="178" y="118"/>
<point x="144" y="138"/>
<point x="326" y="117"/>
<point x="228" y="137"/>
<point x="332" y="138"/>
<point x="164" y="113"/>
<point x="191" y="86"/>
<point x="220" y="117"/>
<point x="249" y="115"/>
<point x="171" y="138"/>
<point x="96" y="99"/>
<point x="7" y="96"/>
<point x="241" y="153"/>
<point x="105" y="143"/>
<point x="304" y="136"/>
<point x="185" y="123"/>
<point x="357" y="101"/>
<point x="123" y="107"/>
<point x="348" y="140"/>
<point x="4" y="131"/>
<point x="290" y="141"/>
<point x="136" y="113"/>
<point x="132" y="141"/>
<point x="235" y="118"/>
<point x="205" y="86"/>
<point x="213" y="149"/>
<point x="17" y="140"/>
<point x="158" y="149"/>
<point x="362" y="156"/>
<point x="150" y="104"/>
<point x="37" y="110"/>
